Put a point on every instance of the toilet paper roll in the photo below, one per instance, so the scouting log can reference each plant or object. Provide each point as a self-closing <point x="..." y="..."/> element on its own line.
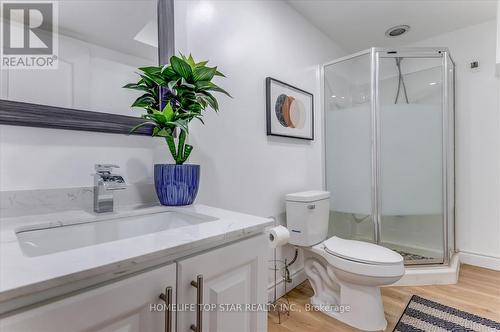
<point x="278" y="236"/>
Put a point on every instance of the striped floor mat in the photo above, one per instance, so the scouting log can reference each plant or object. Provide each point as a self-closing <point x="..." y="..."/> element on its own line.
<point x="422" y="315"/>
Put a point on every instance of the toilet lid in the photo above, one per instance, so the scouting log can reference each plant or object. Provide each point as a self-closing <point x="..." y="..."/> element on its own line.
<point x="362" y="252"/>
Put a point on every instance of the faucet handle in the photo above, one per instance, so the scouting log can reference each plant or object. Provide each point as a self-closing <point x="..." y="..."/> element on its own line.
<point x="105" y="168"/>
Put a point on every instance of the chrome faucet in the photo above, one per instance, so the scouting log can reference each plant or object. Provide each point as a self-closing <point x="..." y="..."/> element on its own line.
<point x="105" y="182"/>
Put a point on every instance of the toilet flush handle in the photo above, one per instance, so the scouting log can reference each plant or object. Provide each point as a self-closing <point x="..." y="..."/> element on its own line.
<point x="311" y="206"/>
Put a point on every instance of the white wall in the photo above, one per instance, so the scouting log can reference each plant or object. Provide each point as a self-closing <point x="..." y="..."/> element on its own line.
<point x="498" y="37"/>
<point x="477" y="138"/>
<point x="242" y="168"/>
<point x="37" y="158"/>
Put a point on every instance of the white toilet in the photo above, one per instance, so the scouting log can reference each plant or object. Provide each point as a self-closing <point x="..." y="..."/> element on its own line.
<point x="345" y="275"/>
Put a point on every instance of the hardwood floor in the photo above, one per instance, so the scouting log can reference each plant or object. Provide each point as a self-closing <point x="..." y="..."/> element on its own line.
<point x="477" y="291"/>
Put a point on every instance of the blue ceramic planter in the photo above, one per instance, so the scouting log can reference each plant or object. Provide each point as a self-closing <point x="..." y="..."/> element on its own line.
<point x="177" y="184"/>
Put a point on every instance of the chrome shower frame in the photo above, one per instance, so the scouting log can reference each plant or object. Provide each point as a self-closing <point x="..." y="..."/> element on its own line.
<point x="448" y="141"/>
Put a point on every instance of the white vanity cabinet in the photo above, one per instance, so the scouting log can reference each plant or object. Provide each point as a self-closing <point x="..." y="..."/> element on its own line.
<point x="233" y="282"/>
<point x="230" y="282"/>
<point x="121" y="306"/>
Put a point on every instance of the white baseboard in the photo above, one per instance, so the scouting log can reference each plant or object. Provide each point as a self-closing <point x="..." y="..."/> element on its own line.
<point x="298" y="277"/>
<point x="488" y="262"/>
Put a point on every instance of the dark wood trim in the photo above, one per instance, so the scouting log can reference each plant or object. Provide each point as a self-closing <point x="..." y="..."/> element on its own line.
<point x="33" y="115"/>
<point x="166" y="30"/>
<point x="17" y="113"/>
<point x="269" y="109"/>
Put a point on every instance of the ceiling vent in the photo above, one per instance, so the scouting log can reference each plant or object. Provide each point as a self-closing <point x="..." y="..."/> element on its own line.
<point x="397" y="31"/>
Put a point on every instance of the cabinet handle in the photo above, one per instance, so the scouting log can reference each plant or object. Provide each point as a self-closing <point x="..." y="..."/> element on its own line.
<point x="199" y="303"/>
<point x="167" y="297"/>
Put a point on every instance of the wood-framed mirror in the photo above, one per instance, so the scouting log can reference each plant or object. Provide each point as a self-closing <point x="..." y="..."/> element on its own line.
<point x="100" y="45"/>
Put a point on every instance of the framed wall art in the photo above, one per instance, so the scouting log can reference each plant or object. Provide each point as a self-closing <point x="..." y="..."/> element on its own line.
<point x="290" y="110"/>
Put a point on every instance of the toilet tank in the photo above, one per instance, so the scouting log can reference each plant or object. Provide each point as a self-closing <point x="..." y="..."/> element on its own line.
<point x="307" y="215"/>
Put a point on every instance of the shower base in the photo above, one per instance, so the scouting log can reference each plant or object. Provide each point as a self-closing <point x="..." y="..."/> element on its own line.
<point x="436" y="274"/>
<point x="408" y="256"/>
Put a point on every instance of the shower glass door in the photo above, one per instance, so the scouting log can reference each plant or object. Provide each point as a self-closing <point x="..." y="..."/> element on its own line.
<point x="389" y="150"/>
<point x="411" y="155"/>
<point x="348" y="144"/>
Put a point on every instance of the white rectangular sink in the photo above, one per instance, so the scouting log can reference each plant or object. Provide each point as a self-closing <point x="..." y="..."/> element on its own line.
<point x="43" y="240"/>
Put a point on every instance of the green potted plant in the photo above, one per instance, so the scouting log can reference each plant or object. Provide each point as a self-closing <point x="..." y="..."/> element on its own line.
<point x="174" y="95"/>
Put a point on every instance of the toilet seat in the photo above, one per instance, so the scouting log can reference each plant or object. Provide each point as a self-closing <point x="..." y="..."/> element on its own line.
<point x="362" y="252"/>
<point x="359" y="257"/>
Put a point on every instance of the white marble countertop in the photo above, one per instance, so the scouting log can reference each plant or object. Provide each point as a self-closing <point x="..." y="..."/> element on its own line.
<point x="22" y="276"/>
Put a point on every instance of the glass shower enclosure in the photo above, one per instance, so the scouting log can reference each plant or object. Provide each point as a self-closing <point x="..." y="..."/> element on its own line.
<point x="389" y="150"/>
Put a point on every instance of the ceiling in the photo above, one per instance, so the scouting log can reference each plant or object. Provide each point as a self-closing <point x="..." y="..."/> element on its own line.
<point x="360" y="24"/>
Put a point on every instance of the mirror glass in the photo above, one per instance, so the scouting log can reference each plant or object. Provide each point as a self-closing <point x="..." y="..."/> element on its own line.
<point x="100" y="45"/>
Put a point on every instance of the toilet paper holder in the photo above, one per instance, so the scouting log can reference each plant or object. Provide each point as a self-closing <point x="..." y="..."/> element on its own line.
<point x="282" y="305"/>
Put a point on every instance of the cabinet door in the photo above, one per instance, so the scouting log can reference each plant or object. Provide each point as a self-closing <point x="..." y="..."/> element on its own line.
<point x="233" y="276"/>
<point x="123" y="306"/>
